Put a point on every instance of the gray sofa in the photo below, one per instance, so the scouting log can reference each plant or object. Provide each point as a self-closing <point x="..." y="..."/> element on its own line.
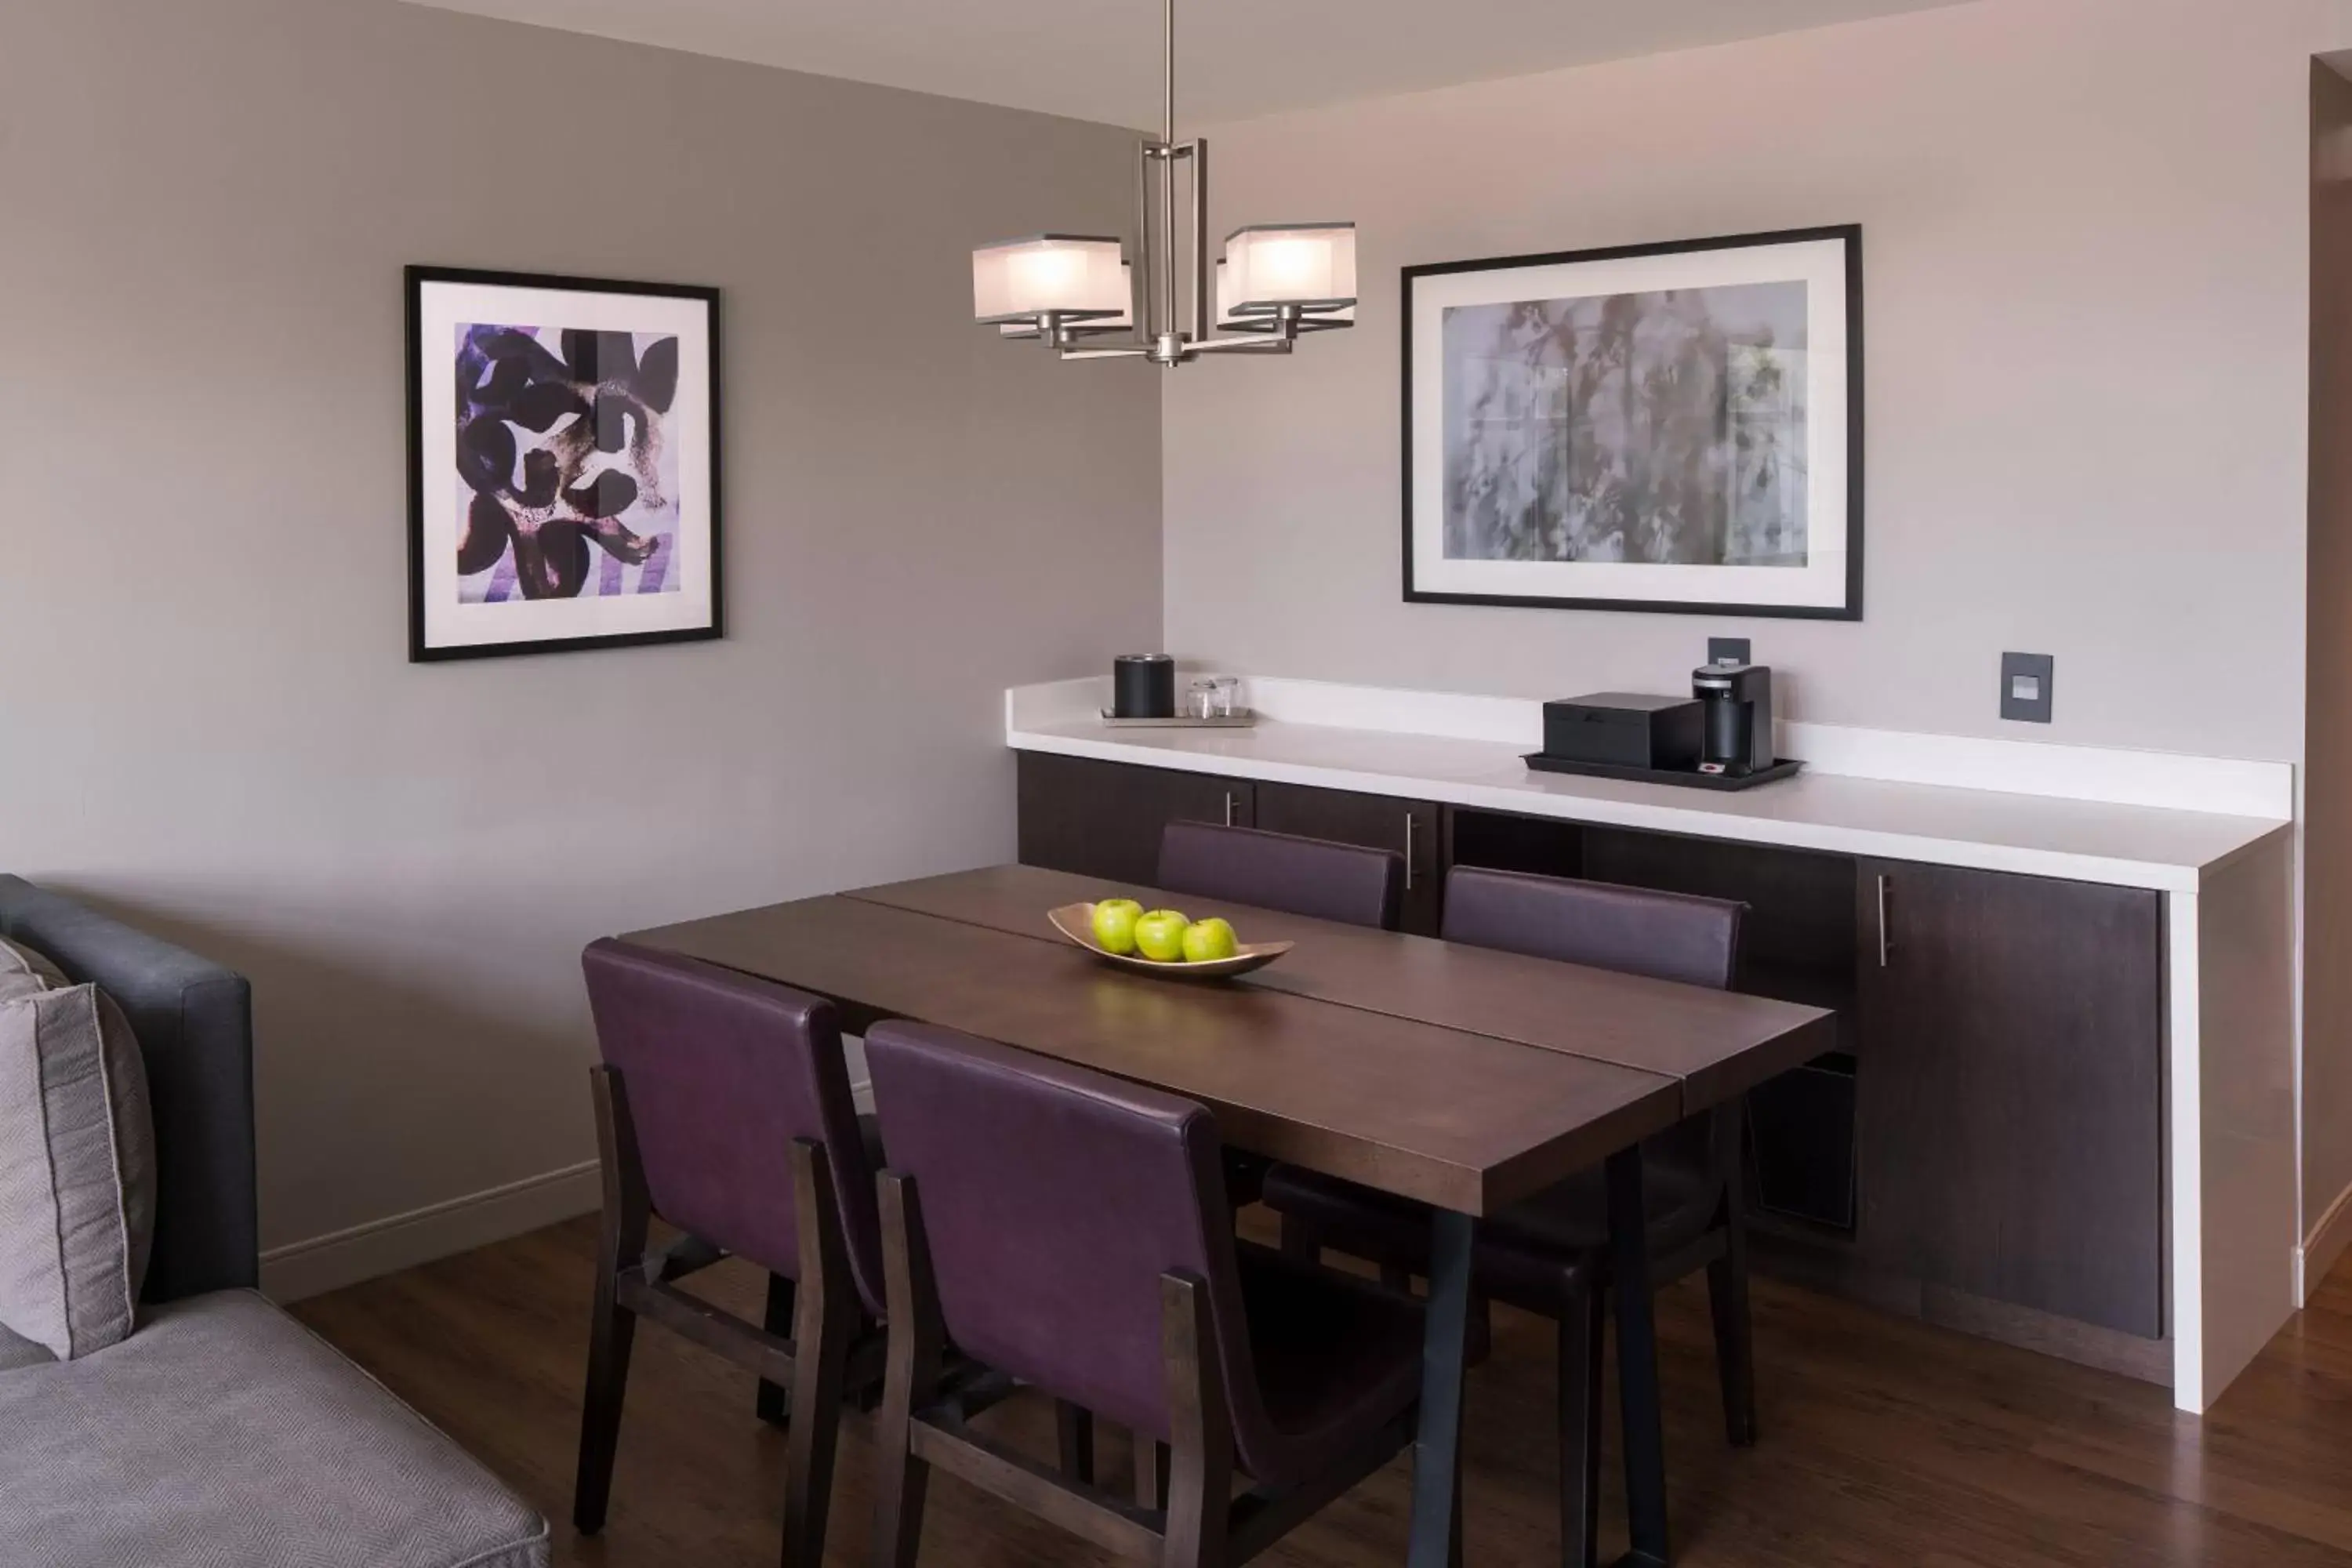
<point x="222" y="1434"/>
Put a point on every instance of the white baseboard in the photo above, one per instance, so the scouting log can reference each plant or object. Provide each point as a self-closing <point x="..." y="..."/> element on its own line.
<point x="2322" y="1247"/>
<point x="399" y="1241"/>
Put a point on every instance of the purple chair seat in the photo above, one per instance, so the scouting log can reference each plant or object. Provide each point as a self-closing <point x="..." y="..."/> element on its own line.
<point x="1311" y="877"/>
<point x="723" y="1107"/>
<point x="1069" y="1232"/>
<point x="1336" y="1356"/>
<point x="1550" y="1254"/>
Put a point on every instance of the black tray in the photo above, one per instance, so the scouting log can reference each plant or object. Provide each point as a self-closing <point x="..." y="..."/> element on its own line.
<point x="1688" y="780"/>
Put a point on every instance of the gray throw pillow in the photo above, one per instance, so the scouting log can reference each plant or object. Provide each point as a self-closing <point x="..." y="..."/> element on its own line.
<point x="76" y="1161"/>
<point x="22" y="970"/>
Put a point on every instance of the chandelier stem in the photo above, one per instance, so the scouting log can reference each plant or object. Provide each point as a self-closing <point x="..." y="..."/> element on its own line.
<point x="1168" y="67"/>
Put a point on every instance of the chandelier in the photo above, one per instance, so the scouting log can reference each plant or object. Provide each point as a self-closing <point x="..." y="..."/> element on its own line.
<point x="1079" y="295"/>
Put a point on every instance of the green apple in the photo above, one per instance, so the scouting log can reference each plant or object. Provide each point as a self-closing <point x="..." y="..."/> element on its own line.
<point x="1207" y="941"/>
<point x="1160" y="936"/>
<point x="1115" y="925"/>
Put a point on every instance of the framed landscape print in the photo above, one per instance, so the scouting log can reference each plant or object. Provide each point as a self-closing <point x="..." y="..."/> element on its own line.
<point x="1672" y="427"/>
<point x="564" y="464"/>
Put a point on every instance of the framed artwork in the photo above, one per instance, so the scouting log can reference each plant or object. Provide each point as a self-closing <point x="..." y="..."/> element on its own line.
<point x="564" y="464"/>
<point x="1668" y="427"/>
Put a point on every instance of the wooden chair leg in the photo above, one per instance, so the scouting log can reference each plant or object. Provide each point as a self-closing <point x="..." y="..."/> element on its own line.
<point x="1735" y="1340"/>
<point x="1200" y="1472"/>
<point x="824" y="1323"/>
<point x="773" y="1402"/>
<point x="911" y="1377"/>
<point x="610" y="1338"/>
<point x="1074" y="1430"/>
<point x="1583" y="1334"/>
<point x="1299" y="1240"/>
<point x="612" y="1332"/>
<point x="1152" y="1464"/>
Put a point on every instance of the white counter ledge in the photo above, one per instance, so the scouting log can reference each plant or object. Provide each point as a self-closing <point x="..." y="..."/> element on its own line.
<point x="1466" y="752"/>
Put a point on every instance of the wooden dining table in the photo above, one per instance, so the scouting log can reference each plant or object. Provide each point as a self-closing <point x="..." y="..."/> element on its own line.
<point x="1461" y="1077"/>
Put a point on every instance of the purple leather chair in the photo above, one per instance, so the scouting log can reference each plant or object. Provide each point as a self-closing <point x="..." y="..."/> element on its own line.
<point x="723" y="1107"/>
<point x="1060" y="1228"/>
<point x="1312" y="877"/>
<point x="1550" y="1254"/>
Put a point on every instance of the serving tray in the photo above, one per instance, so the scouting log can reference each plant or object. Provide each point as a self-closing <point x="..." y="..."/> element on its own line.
<point x="1687" y="780"/>
<point x="1244" y="719"/>
<point x="1077" y="921"/>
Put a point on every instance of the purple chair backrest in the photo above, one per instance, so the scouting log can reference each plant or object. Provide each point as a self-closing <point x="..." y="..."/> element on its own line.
<point x="1054" y="1199"/>
<point x="1344" y="882"/>
<point x="1635" y="930"/>
<point x="722" y="1070"/>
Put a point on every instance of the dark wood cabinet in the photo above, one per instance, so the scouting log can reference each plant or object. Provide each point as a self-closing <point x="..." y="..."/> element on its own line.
<point x="2012" y="1078"/>
<point x="1376" y="821"/>
<point x="1985" y="1146"/>
<point x="1103" y="819"/>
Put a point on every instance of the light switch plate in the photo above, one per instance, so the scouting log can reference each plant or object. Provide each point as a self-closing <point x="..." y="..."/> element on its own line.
<point x="1726" y="650"/>
<point x="2025" y="686"/>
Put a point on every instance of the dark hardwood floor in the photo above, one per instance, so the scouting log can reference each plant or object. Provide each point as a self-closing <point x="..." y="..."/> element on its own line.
<point x="1885" y="1441"/>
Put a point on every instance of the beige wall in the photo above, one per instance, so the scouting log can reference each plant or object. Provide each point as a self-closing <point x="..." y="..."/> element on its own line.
<point x="206" y="719"/>
<point x="2086" y="301"/>
<point x="2328" y="777"/>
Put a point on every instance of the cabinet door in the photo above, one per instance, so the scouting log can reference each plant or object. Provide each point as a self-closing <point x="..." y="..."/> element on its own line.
<point x="1103" y="819"/>
<point x="2011" y="1081"/>
<point x="1375" y="821"/>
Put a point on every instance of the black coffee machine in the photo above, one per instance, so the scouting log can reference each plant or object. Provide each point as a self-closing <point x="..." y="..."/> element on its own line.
<point x="1738" y="727"/>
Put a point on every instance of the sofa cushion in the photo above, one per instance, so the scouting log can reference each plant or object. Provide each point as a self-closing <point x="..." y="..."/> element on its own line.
<point x="76" y="1166"/>
<point x="225" y="1434"/>
<point x="15" y="1353"/>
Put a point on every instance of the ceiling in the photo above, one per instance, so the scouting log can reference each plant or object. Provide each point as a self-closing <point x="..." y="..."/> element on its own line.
<point x="1099" y="59"/>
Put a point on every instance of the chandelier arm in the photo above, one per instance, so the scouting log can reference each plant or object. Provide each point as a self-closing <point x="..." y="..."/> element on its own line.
<point x="1107" y="351"/>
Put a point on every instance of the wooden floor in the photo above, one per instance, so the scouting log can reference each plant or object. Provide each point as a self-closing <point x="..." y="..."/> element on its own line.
<point x="1886" y="1442"/>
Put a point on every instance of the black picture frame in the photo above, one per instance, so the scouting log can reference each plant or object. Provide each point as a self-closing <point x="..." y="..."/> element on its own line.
<point x="1850" y="235"/>
<point x="415" y="279"/>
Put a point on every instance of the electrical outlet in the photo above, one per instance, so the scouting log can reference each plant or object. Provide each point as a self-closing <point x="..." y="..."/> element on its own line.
<point x="1726" y="650"/>
<point x="2025" y="683"/>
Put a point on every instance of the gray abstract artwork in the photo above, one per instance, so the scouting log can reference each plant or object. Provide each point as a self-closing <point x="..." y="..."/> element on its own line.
<point x="1664" y="428"/>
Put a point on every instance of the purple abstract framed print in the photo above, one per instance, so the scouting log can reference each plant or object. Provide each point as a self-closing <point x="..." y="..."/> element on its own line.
<point x="564" y="464"/>
<point x="1665" y="427"/>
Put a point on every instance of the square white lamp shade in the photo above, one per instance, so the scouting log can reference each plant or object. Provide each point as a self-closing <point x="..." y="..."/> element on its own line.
<point x="1026" y="327"/>
<point x="1231" y="318"/>
<point x="1077" y="276"/>
<point x="1312" y="266"/>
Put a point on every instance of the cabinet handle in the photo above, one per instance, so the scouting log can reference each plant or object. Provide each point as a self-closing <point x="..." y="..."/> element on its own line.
<point x="1407" y="851"/>
<point x="1884" y="946"/>
<point x="1229" y="809"/>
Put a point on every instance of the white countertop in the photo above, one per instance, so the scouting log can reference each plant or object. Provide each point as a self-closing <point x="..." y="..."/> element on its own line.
<point x="2128" y="845"/>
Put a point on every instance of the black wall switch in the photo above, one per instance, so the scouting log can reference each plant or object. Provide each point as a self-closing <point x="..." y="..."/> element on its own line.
<point x="2025" y="682"/>
<point x="1726" y="650"/>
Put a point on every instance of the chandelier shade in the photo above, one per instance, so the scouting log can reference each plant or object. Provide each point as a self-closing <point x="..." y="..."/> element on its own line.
<point x="1308" y="268"/>
<point x="1077" y="278"/>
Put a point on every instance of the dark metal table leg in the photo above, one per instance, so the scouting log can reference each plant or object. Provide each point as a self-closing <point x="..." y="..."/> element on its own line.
<point x="1637" y="1364"/>
<point x="1437" y="1447"/>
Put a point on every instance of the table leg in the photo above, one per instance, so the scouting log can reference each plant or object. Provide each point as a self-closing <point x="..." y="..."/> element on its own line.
<point x="1637" y="1364"/>
<point x="1437" y="1447"/>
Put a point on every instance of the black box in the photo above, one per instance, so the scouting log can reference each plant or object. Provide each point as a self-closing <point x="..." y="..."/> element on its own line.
<point x="1624" y="730"/>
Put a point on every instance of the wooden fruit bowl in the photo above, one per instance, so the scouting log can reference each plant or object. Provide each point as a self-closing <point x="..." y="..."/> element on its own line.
<point x="1077" y="921"/>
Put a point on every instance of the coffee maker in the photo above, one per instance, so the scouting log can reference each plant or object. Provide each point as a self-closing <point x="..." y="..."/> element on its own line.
<point x="1738" y="725"/>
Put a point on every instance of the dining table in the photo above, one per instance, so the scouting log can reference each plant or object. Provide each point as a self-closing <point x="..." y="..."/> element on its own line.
<point x="1464" y="1078"/>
